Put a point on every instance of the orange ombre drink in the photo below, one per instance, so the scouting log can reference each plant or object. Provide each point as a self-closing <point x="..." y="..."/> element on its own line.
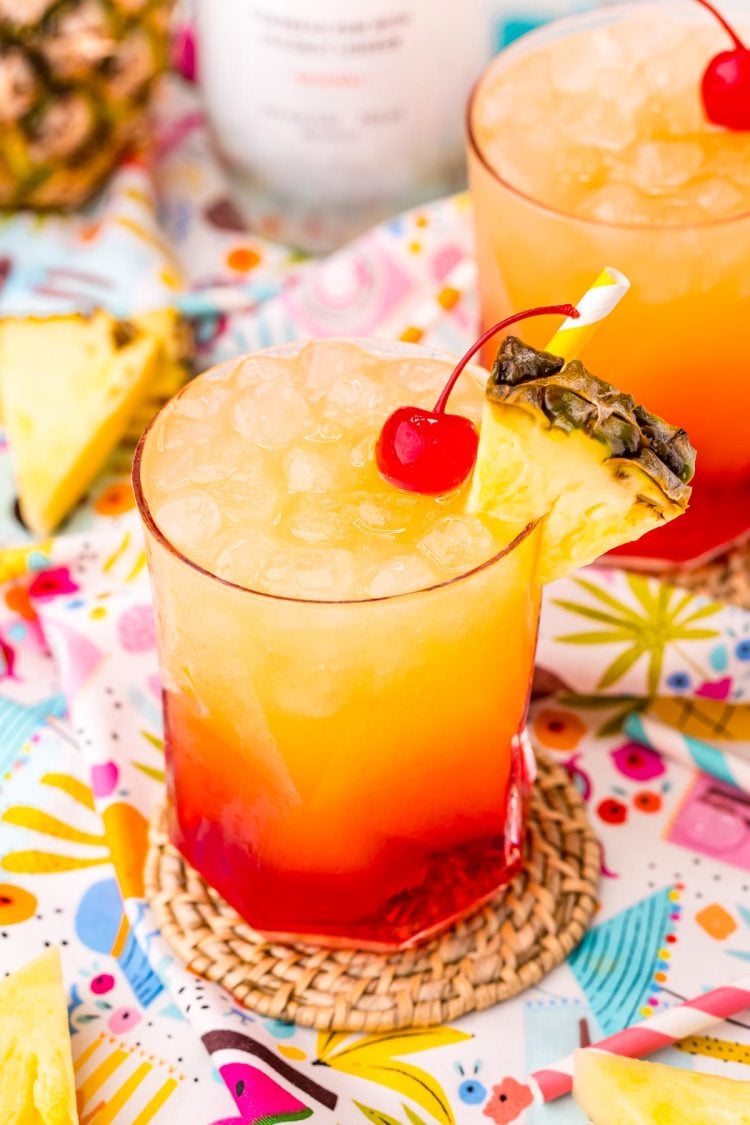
<point x="346" y="666"/>
<point x="589" y="143"/>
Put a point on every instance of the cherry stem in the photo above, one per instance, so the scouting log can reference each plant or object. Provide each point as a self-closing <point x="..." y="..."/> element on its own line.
<point x="725" y="24"/>
<point x="544" y="310"/>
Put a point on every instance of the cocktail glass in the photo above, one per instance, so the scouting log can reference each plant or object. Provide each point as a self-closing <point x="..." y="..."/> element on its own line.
<point x="679" y="340"/>
<point x="352" y="772"/>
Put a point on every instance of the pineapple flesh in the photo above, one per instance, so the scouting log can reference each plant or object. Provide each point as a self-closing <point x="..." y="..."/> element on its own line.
<point x="559" y="444"/>
<point x="36" y="1069"/>
<point x="175" y="340"/>
<point x="70" y="386"/>
<point x="619" y="1091"/>
<point x="75" y="79"/>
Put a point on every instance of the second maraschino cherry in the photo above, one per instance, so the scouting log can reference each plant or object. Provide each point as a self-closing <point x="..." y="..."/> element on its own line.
<point x="430" y="451"/>
<point x="726" y="81"/>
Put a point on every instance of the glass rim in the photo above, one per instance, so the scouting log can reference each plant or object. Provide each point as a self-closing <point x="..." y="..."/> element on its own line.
<point x="150" y="524"/>
<point x="568" y="24"/>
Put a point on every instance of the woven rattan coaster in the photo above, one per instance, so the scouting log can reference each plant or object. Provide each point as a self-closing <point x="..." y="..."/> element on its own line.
<point x="496" y="952"/>
<point x="726" y="578"/>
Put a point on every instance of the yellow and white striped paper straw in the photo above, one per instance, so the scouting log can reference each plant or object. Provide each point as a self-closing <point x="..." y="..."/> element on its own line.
<point x="597" y="302"/>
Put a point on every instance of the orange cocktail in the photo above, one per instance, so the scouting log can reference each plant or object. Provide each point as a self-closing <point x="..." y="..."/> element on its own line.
<point x="346" y="667"/>
<point x="589" y="143"/>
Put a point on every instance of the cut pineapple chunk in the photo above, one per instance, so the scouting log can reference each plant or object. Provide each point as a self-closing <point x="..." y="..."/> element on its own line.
<point x="618" y="1091"/>
<point x="36" y="1068"/>
<point x="559" y="444"/>
<point x="173" y="335"/>
<point x="69" y="386"/>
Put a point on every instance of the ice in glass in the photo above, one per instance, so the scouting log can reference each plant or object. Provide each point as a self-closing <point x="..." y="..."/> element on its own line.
<point x="346" y="666"/>
<point x="589" y="143"/>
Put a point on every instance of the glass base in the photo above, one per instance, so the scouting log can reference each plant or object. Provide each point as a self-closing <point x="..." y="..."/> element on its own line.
<point x="317" y="225"/>
<point x="344" y="910"/>
<point x="718" y="516"/>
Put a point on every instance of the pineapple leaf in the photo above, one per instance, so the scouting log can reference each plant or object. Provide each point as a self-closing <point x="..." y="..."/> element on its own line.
<point x="72" y="786"/>
<point x="412" y="1082"/>
<point x="376" y="1116"/>
<point x="654" y="671"/>
<point x="598" y="615"/>
<point x="330" y="1041"/>
<point x="381" y="1048"/>
<point x="608" y="599"/>
<point x="665" y="619"/>
<point x="683" y="634"/>
<point x="641" y="588"/>
<point x="157" y="743"/>
<point x="704" y="611"/>
<point x="596" y="702"/>
<point x="374" y="1057"/>
<point x="613" y="725"/>
<point x="683" y="602"/>
<point x="594" y="638"/>
<point x="150" y="771"/>
<point x="24" y="816"/>
<point x="45" y="863"/>
<point x="618" y="668"/>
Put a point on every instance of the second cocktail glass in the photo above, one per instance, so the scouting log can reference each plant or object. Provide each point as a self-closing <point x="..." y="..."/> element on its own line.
<point x="679" y="339"/>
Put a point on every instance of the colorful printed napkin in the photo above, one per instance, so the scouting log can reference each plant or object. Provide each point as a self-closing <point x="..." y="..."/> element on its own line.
<point x="81" y="756"/>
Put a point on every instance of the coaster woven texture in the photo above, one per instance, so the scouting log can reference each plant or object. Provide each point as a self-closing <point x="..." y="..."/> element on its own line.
<point x="726" y="578"/>
<point x="507" y="945"/>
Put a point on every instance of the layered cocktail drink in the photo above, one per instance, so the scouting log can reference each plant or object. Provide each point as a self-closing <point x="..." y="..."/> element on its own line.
<point x="346" y="666"/>
<point x="589" y="142"/>
<point x="347" y="580"/>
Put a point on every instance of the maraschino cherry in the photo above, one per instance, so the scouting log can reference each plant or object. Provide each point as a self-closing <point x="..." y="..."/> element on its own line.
<point x="432" y="452"/>
<point x="726" y="82"/>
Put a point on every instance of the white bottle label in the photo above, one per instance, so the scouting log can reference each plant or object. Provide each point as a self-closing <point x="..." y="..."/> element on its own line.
<point x="342" y="107"/>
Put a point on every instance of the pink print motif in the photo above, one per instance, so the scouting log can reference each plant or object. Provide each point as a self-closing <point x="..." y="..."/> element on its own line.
<point x="715" y="689"/>
<point x="446" y="259"/>
<point x="637" y="762"/>
<point x="135" y="629"/>
<point x="104" y="778"/>
<point x="7" y="661"/>
<point x="52" y="583"/>
<point x="351" y="295"/>
<point x="259" y="1099"/>
<point x="508" y="1101"/>
<point x="123" y="1020"/>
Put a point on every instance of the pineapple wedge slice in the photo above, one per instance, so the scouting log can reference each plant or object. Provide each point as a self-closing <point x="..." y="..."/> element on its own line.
<point x="69" y="386"/>
<point x="558" y="443"/>
<point x="36" y="1068"/>
<point x="619" y="1091"/>
<point x="174" y="338"/>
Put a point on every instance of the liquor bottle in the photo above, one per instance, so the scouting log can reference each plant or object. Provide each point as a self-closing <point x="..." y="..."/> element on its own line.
<point x="335" y="114"/>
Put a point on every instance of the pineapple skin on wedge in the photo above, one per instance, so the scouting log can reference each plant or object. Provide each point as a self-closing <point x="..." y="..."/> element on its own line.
<point x="620" y="1091"/>
<point x="37" y="1085"/>
<point x="559" y="444"/>
<point x="174" y="338"/>
<point x="70" y="386"/>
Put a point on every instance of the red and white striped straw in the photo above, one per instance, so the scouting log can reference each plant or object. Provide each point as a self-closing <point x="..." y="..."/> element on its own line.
<point x="691" y="1017"/>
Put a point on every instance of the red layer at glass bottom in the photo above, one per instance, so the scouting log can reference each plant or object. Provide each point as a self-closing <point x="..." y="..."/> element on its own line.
<point x="719" y="514"/>
<point x="435" y="886"/>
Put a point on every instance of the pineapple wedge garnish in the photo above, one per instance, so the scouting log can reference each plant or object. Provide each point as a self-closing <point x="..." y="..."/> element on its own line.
<point x="559" y="444"/>
<point x="70" y="388"/>
<point x="36" y="1067"/>
<point x="619" y="1091"/>
<point x="175" y="339"/>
